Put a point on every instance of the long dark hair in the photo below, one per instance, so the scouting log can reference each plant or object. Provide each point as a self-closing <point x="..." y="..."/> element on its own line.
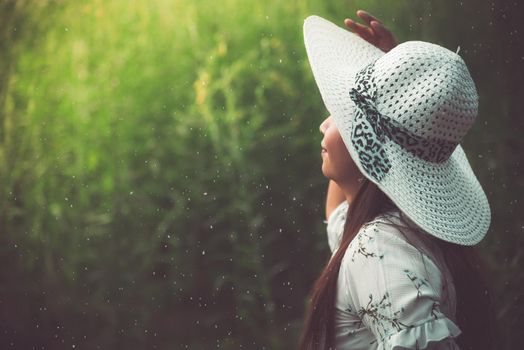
<point x="474" y="313"/>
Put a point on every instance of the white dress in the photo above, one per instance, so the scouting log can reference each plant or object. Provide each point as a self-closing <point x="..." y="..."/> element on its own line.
<point x="389" y="295"/>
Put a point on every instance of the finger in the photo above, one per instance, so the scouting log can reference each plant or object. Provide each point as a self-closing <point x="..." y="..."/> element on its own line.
<point x="380" y="30"/>
<point x="367" y="17"/>
<point x="365" y="32"/>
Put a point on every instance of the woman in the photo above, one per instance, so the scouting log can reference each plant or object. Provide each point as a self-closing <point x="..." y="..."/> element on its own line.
<point x="404" y="272"/>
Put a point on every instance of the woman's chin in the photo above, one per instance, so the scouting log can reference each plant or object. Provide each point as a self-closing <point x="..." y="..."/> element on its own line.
<point x="325" y="170"/>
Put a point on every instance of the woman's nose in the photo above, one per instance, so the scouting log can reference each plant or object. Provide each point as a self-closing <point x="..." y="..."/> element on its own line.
<point x="322" y="126"/>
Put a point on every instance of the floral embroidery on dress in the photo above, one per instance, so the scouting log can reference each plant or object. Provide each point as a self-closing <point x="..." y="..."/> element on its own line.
<point x="351" y="332"/>
<point x="435" y="307"/>
<point x="417" y="281"/>
<point x="375" y="312"/>
<point x="378" y="314"/>
<point x="363" y="240"/>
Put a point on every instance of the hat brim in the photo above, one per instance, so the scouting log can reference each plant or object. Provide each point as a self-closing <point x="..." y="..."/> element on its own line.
<point x="446" y="199"/>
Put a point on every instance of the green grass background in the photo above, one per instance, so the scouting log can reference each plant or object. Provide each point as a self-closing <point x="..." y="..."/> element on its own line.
<point x="160" y="183"/>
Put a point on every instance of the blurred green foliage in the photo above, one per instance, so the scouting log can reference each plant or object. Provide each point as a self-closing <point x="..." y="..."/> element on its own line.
<point x="160" y="182"/>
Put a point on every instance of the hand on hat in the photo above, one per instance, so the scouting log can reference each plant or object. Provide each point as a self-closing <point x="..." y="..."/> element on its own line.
<point x="375" y="32"/>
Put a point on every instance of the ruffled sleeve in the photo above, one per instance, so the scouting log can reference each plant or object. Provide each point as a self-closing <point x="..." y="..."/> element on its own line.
<point x="396" y="291"/>
<point x="335" y="225"/>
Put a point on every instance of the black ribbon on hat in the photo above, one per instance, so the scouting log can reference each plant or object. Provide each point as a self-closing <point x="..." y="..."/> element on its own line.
<point x="371" y="128"/>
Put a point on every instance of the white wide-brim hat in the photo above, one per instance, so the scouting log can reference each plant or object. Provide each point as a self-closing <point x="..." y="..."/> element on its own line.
<point x="417" y="89"/>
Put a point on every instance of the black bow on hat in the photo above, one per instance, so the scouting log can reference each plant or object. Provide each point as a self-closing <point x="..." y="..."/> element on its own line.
<point x="371" y="128"/>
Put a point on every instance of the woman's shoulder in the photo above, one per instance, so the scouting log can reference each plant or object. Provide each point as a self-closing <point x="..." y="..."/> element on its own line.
<point x="382" y="251"/>
<point x="393" y="234"/>
<point x="384" y="226"/>
<point x="396" y="225"/>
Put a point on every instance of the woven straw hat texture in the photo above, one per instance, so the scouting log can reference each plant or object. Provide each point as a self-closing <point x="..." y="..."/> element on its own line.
<point x="402" y="115"/>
